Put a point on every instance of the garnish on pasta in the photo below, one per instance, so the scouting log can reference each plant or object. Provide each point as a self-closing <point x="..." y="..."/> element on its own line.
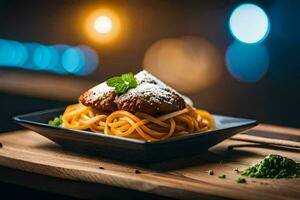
<point x="122" y="83"/>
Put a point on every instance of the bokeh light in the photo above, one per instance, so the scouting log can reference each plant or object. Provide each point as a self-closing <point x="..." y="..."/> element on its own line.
<point x="60" y="58"/>
<point x="12" y="53"/>
<point x="91" y="60"/>
<point x="31" y="47"/>
<point x="60" y="48"/>
<point x="102" y="25"/>
<point x="73" y="60"/>
<point x="247" y="63"/>
<point x="249" y="23"/>
<point x="6" y="52"/>
<point x="45" y="57"/>
<point x="80" y="60"/>
<point x="20" y="54"/>
<point x="189" y="64"/>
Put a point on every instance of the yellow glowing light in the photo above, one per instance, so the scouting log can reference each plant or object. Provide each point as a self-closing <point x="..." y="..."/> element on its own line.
<point x="103" y="24"/>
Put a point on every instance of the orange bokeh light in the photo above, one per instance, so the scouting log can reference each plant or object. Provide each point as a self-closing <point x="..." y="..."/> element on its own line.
<point x="93" y="25"/>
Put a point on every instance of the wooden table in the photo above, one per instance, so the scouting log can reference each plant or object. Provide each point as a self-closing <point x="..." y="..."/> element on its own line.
<point x="31" y="160"/>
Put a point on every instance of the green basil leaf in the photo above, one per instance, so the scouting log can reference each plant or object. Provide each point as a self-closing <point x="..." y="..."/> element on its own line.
<point x="129" y="80"/>
<point x="122" y="83"/>
<point x="121" y="88"/>
<point x="114" y="80"/>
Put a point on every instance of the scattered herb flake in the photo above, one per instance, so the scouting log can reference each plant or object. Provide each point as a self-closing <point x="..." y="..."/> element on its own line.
<point x="236" y="170"/>
<point x="223" y="176"/>
<point x="210" y="172"/>
<point x="241" y="180"/>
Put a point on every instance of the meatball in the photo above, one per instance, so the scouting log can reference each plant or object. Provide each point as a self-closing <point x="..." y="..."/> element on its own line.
<point x="150" y="98"/>
<point x="100" y="97"/>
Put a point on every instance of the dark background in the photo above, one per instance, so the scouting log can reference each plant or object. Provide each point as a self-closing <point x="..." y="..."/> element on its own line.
<point x="273" y="99"/>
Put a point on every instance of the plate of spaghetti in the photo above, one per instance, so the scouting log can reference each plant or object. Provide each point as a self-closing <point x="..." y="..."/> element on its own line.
<point x="136" y="118"/>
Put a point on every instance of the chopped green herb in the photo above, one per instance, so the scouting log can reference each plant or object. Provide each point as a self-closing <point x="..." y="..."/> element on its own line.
<point x="223" y="176"/>
<point x="210" y="172"/>
<point x="122" y="83"/>
<point x="274" y="166"/>
<point x="57" y="121"/>
<point x="241" y="180"/>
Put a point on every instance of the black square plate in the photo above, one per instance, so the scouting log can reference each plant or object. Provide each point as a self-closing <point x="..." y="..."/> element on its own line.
<point x="133" y="149"/>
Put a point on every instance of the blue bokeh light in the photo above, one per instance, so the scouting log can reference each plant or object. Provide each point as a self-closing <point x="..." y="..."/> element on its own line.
<point x="60" y="48"/>
<point x="80" y="60"/>
<point x="248" y="23"/>
<point x="29" y="64"/>
<point x="12" y="53"/>
<point x="20" y="54"/>
<point x="91" y="60"/>
<point x="247" y="63"/>
<point x="73" y="60"/>
<point x="6" y="53"/>
<point x="59" y="58"/>
<point x="45" y="57"/>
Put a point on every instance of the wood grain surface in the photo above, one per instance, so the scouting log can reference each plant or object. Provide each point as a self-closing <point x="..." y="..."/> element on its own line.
<point x="182" y="179"/>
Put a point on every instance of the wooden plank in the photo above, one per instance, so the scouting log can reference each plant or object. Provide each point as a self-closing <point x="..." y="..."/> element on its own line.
<point x="184" y="179"/>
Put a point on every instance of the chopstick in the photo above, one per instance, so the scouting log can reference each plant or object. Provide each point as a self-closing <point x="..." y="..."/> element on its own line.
<point x="265" y="141"/>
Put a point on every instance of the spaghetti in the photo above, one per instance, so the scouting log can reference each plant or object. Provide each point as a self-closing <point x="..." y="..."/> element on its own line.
<point x="138" y="125"/>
